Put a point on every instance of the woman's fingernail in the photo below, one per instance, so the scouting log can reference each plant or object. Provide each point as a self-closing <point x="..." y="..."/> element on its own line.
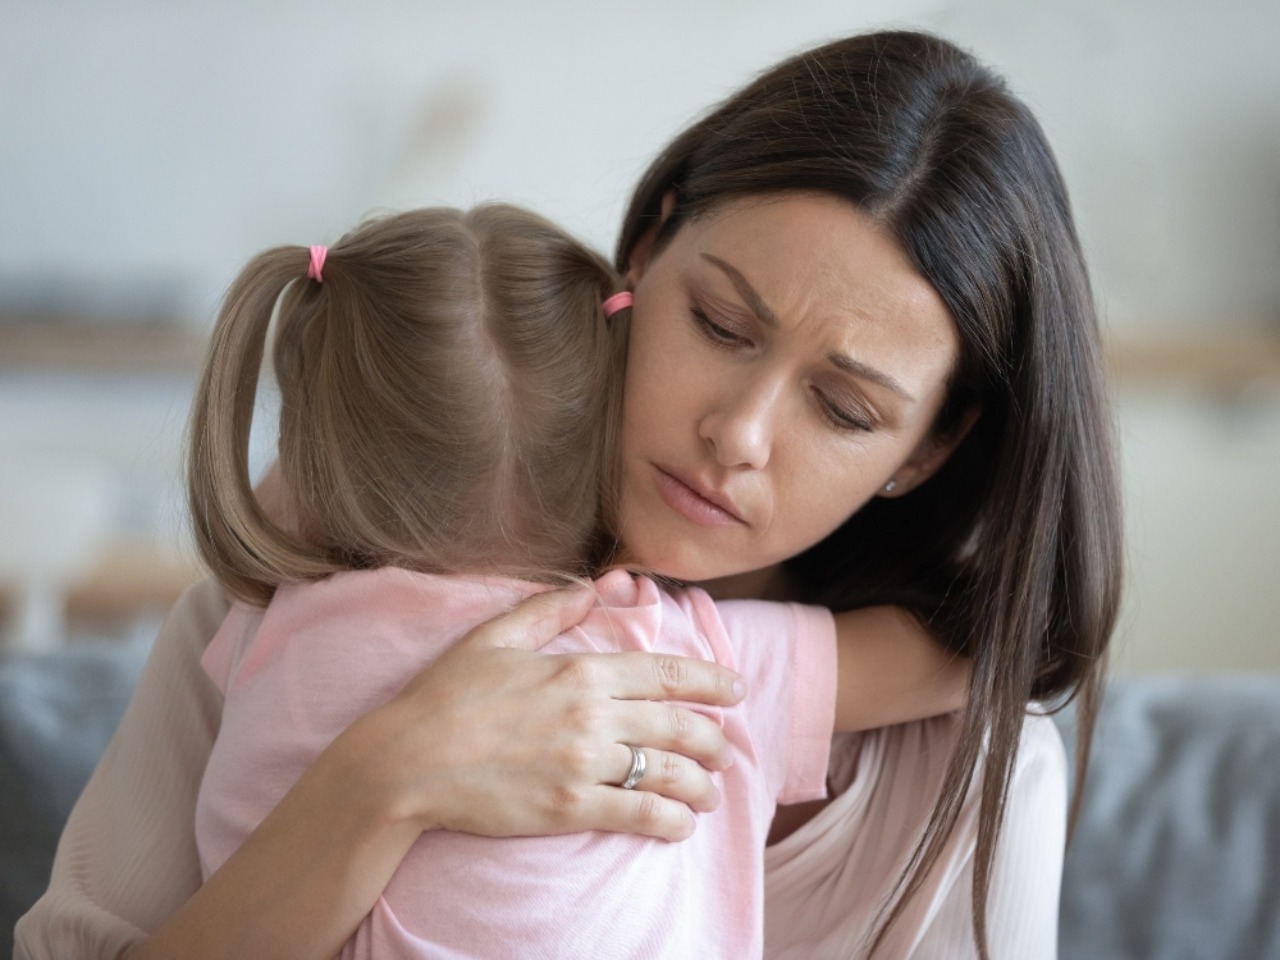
<point x="739" y="688"/>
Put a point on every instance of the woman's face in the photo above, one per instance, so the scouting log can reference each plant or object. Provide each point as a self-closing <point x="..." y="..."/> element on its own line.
<point x="786" y="361"/>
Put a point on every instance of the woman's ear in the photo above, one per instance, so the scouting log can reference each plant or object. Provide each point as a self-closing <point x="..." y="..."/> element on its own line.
<point x="928" y="458"/>
<point x="643" y="249"/>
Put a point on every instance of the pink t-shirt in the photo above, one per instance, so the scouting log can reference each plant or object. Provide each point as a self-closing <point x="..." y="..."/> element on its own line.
<point x="321" y="655"/>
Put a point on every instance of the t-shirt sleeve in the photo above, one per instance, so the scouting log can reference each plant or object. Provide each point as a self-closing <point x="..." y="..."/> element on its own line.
<point x="787" y="654"/>
<point x="127" y="858"/>
<point x="225" y="650"/>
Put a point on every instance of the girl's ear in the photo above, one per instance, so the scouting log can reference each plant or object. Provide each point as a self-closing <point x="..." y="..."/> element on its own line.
<point x="642" y="250"/>
<point x="928" y="458"/>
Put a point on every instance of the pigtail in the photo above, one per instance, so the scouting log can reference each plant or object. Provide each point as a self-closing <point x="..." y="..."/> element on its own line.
<point x="249" y="552"/>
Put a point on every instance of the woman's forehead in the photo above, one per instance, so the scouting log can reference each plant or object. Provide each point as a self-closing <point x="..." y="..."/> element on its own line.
<point x="805" y="241"/>
<point x="810" y="258"/>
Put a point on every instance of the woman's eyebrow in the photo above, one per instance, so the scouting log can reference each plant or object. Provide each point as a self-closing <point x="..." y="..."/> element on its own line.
<point x="767" y="317"/>
<point x="860" y="369"/>
<point x="745" y="290"/>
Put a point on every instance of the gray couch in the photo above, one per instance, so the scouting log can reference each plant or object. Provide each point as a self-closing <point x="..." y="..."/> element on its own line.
<point x="1177" y="854"/>
<point x="57" y="712"/>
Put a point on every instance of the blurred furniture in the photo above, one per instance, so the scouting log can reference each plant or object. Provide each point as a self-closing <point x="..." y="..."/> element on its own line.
<point x="1177" y="853"/>
<point x="55" y="511"/>
<point x="128" y="579"/>
<point x="117" y="345"/>
<point x="122" y="582"/>
<point x="1177" y="850"/>
<point x="57" y="710"/>
<point x="93" y="404"/>
<point x="1222" y="363"/>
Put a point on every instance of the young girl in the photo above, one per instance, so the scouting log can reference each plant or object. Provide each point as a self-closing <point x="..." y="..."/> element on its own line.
<point x="450" y="395"/>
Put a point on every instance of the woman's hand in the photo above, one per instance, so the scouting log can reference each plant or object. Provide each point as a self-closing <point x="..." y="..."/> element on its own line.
<point x="494" y="738"/>
<point x="497" y="739"/>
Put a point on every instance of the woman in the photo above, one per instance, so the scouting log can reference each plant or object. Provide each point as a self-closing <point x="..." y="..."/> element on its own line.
<point x="857" y="275"/>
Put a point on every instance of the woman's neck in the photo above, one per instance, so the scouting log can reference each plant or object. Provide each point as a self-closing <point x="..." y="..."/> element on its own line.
<point x="768" y="583"/>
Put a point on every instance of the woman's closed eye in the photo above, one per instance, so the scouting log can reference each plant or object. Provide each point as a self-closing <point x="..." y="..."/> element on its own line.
<point x="844" y="416"/>
<point x="718" y="332"/>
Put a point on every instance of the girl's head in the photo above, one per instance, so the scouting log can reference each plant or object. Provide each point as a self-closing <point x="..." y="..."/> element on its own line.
<point x="446" y="400"/>
<point x="901" y="215"/>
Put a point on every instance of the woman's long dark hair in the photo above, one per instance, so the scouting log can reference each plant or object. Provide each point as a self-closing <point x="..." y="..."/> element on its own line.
<point x="1011" y="553"/>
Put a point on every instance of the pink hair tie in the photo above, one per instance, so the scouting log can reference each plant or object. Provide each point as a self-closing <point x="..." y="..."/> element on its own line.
<point x="317" y="263"/>
<point x="619" y="301"/>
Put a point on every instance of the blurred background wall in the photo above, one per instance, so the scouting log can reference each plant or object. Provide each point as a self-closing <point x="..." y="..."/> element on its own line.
<point x="147" y="149"/>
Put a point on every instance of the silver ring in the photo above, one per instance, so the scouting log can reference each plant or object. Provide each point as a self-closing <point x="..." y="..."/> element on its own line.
<point x="636" y="773"/>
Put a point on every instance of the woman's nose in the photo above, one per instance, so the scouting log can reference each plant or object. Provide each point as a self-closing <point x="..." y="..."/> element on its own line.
<point x="740" y="429"/>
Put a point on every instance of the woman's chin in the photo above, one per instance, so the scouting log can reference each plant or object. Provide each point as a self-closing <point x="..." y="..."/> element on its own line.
<point x="722" y="573"/>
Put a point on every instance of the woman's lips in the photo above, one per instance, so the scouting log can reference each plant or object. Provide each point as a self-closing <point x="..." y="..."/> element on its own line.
<point x="692" y="505"/>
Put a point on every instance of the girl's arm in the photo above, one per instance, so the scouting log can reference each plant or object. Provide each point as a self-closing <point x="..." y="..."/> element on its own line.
<point x="891" y="670"/>
<point x="491" y="738"/>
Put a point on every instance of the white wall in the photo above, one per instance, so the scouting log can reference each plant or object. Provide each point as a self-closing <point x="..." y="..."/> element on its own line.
<point x="170" y="140"/>
<point x="1202" y="490"/>
<point x="176" y="139"/>
<point x="147" y="148"/>
<point x="1166" y="119"/>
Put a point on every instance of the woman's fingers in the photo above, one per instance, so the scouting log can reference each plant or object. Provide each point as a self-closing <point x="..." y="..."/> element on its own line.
<point x="499" y="739"/>
<point x="534" y="622"/>
<point x="627" y="676"/>
<point x="672" y="728"/>
<point x="675" y="777"/>
<point x="661" y="676"/>
<point x="640" y="812"/>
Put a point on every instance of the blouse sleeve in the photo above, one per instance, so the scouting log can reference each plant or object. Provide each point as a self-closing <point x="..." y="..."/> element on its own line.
<point x="127" y="858"/>
<point x="1026" y="877"/>
<point x="825" y="884"/>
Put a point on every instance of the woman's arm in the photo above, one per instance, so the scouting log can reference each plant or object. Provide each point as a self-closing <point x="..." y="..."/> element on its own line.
<point x="891" y="670"/>
<point x="127" y="857"/>
<point x="492" y="738"/>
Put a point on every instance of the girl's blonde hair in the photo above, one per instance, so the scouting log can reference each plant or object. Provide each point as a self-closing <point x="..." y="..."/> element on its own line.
<point x="449" y="401"/>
